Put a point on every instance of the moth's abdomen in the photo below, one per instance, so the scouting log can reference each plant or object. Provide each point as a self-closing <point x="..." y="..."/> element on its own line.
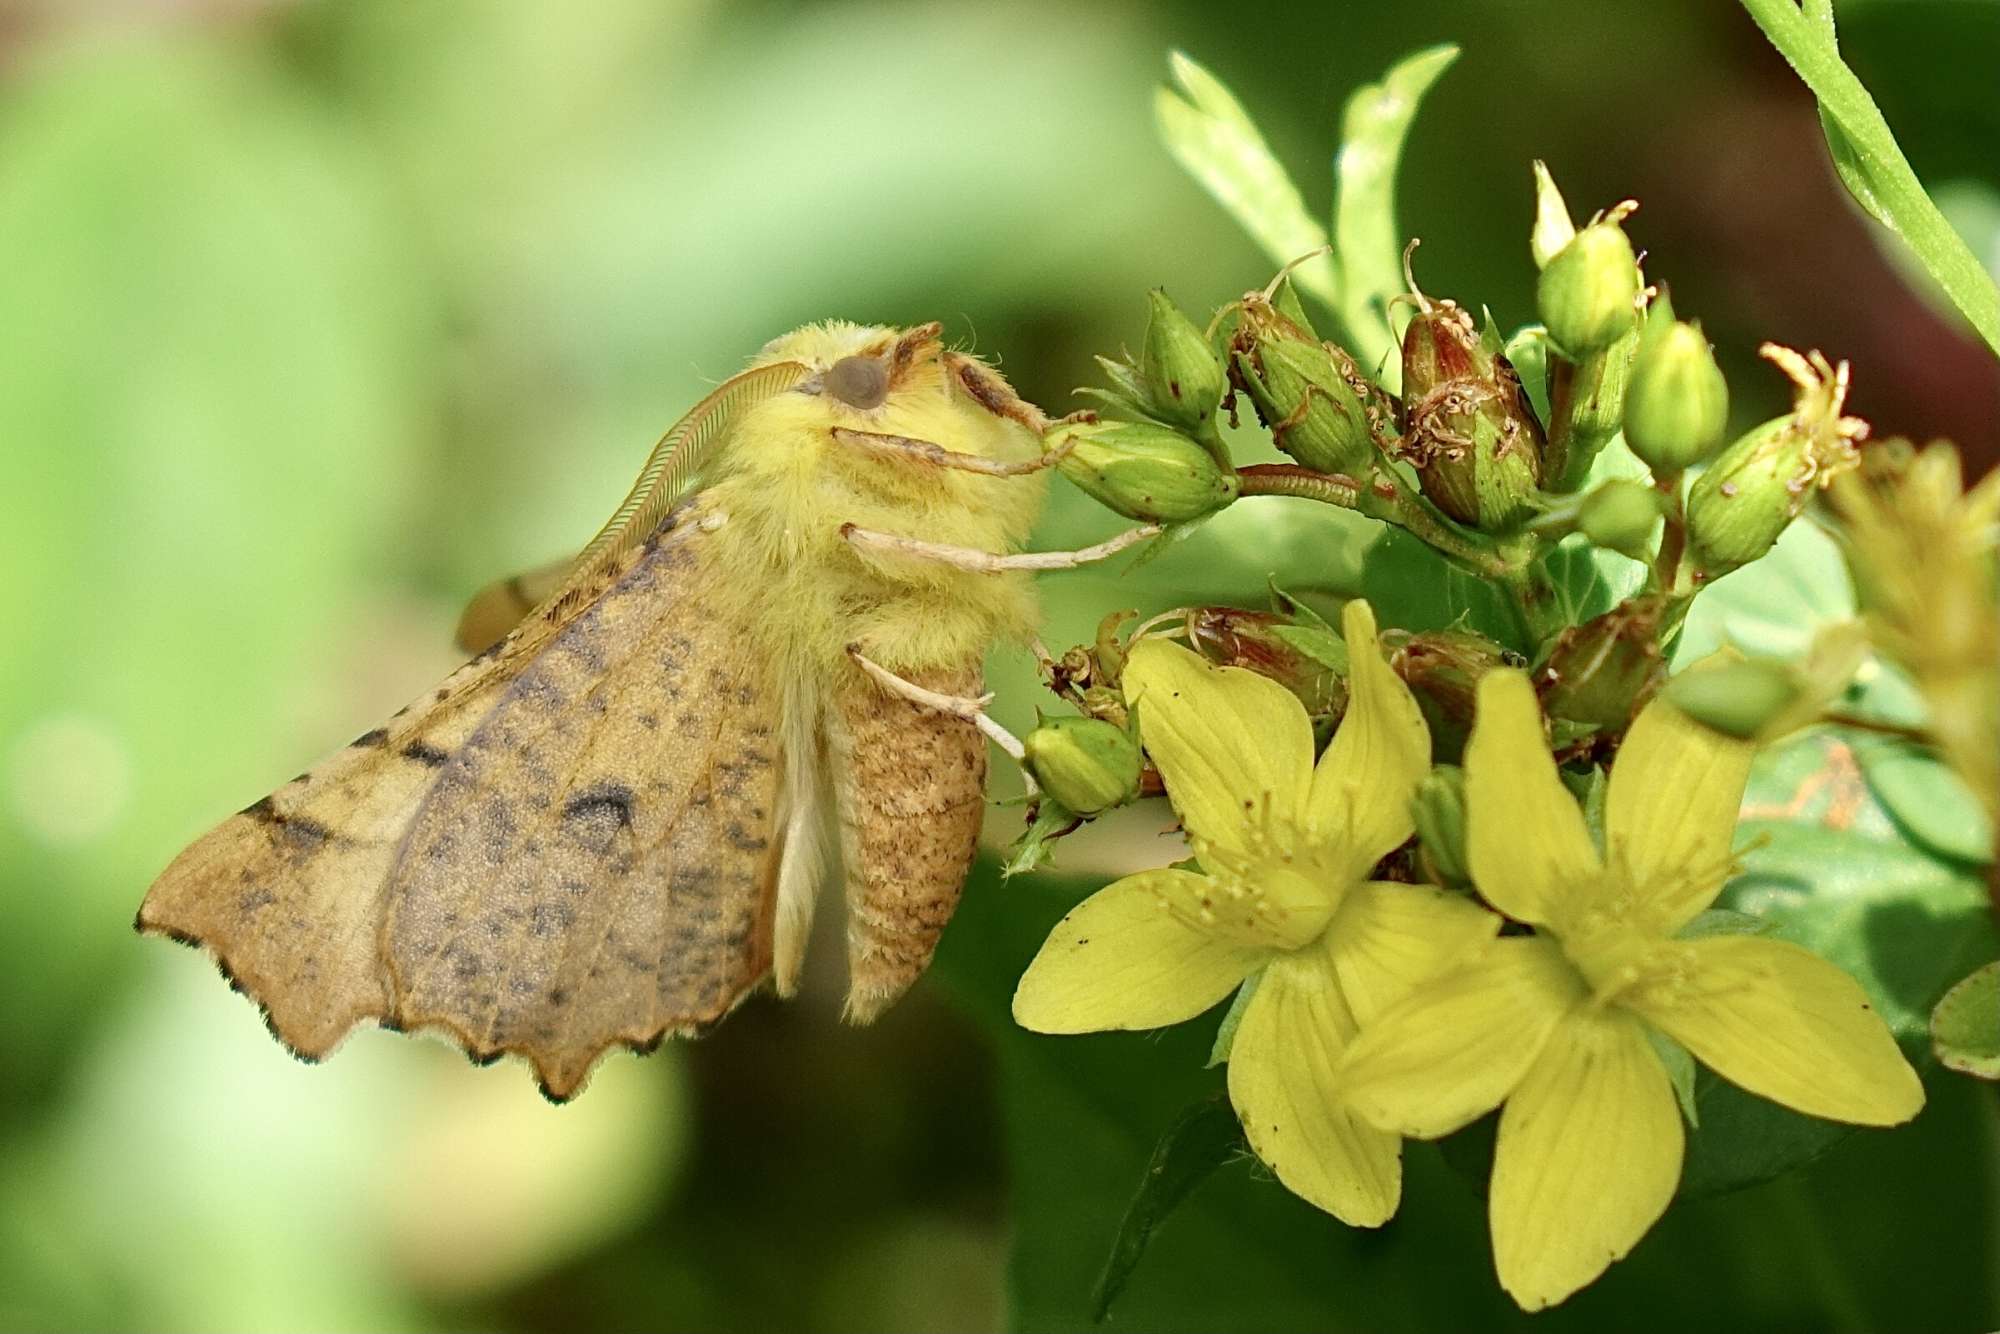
<point x="910" y="784"/>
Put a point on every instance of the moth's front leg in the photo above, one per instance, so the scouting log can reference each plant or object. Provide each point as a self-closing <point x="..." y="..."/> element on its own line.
<point x="987" y="562"/>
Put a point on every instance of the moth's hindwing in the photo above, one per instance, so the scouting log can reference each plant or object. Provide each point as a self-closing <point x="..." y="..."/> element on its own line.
<point x="909" y="784"/>
<point x="562" y="849"/>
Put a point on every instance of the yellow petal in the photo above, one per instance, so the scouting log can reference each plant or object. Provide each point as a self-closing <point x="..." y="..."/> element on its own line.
<point x="1388" y="938"/>
<point x="1281" y="1079"/>
<point x="1234" y="747"/>
<point x="1670" y="813"/>
<point x="1588" y="1158"/>
<point x="1451" y="1050"/>
<point x="1785" y="1024"/>
<point x="1362" y="788"/>
<point x="1529" y="850"/>
<point x="1122" y="959"/>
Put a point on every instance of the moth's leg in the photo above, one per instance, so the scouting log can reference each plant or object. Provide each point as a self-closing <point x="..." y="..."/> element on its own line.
<point x="936" y="455"/>
<point x="970" y="708"/>
<point x="986" y="562"/>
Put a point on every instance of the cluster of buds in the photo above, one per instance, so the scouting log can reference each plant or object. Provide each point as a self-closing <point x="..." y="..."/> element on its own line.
<point x="1160" y="458"/>
<point x="1459" y="456"/>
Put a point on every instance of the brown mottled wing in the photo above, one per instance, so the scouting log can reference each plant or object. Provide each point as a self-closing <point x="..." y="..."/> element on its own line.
<point x="909" y="783"/>
<point x="572" y="852"/>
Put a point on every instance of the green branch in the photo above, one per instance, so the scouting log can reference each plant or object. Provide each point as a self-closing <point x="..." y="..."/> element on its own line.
<point x="1870" y="163"/>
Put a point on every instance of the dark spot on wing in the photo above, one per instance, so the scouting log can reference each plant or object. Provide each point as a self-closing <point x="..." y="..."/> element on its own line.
<point x="594" y="803"/>
<point x="425" y="754"/>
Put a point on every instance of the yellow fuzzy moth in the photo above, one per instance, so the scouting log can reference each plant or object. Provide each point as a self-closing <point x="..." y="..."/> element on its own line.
<point x="611" y="825"/>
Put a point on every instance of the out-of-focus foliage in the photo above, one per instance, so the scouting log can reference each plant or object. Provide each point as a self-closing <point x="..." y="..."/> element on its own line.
<point x="315" y="316"/>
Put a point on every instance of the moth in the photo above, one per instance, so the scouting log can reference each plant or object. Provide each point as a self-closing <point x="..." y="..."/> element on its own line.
<point x="613" y="823"/>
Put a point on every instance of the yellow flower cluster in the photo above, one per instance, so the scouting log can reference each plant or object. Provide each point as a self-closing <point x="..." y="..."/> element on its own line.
<point x="1377" y="1010"/>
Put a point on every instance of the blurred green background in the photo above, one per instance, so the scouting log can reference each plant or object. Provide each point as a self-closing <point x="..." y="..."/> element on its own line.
<point x="314" y="316"/>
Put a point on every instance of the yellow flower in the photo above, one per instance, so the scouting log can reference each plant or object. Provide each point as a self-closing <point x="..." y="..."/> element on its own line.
<point x="1556" y="1024"/>
<point x="1286" y="849"/>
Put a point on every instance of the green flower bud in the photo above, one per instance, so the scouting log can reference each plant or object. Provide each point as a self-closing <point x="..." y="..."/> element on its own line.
<point x="1143" y="471"/>
<point x="1622" y="516"/>
<point x="1759" y="484"/>
<point x="1468" y="427"/>
<point x="1308" y="394"/>
<point x="1677" y="403"/>
<point x="1286" y="302"/>
<point x="1600" y="673"/>
<point x="1439" y="812"/>
<point x="1761" y="699"/>
<point x="1553" y="229"/>
<point x="1086" y="764"/>
<point x="1588" y="293"/>
<point x="1442" y="669"/>
<point x="1740" y="698"/>
<point x="1306" y="660"/>
<point x="1181" y="379"/>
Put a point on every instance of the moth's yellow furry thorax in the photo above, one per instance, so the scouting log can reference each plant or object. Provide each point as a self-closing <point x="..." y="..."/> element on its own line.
<point x="785" y="486"/>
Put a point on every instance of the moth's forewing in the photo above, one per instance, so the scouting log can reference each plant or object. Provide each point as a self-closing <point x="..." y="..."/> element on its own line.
<point x="596" y="864"/>
<point x="571" y="848"/>
<point x="909" y="784"/>
<point x="288" y="894"/>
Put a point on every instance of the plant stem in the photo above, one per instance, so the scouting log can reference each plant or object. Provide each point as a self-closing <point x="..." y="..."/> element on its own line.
<point x="1673" y="538"/>
<point x="1379" y="498"/>
<point x="1289" y="479"/>
<point x="1872" y="166"/>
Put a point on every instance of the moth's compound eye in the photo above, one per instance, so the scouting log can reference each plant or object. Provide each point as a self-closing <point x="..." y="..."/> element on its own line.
<point x="860" y="382"/>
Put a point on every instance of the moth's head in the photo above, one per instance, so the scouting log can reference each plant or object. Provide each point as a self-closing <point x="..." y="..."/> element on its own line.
<point x="860" y="365"/>
<point x="865" y="368"/>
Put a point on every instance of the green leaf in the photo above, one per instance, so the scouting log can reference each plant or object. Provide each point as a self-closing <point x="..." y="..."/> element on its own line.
<point x="1965" y="1027"/>
<point x="1212" y="136"/>
<point x="1929" y="800"/>
<point x="1324" y="647"/>
<point x="1869" y="161"/>
<point x="1528" y="352"/>
<point x="1203" y="1136"/>
<point x="1225" y="1033"/>
<point x="1412" y="587"/>
<point x="1830" y="868"/>
<point x="1774" y="605"/>
<point x="1826" y="867"/>
<point x="1035" y="847"/>
<point x="1723" y="922"/>
<point x="1366" y="239"/>
<point x="1680" y="1073"/>
<point x="1589" y="581"/>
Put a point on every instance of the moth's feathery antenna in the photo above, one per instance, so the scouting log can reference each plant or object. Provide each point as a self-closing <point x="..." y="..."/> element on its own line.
<point x="985" y="562"/>
<point x="925" y="451"/>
